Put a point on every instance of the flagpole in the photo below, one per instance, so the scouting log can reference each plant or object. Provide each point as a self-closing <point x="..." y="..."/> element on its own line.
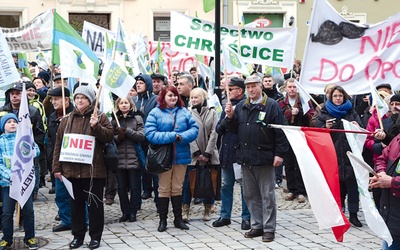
<point x="116" y="118"/>
<point x="226" y="86"/>
<point x="363" y="164"/>
<point x="97" y="100"/>
<point x="62" y="95"/>
<point x="239" y="28"/>
<point x="197" y="74"/>
<point x="18" y="214"/>
<point x="379" y="116"/>
<point x="315" y="102"/>
<point x="322" y="130"/>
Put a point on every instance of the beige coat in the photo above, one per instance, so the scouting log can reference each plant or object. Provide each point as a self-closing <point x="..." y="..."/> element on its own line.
<point x="206" y="141"/>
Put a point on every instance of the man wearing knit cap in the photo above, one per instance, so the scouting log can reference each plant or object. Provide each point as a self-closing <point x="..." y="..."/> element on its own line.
<point x="87" y="91"/>
<point x="88" y="180"/>
<point x="145" y="101"/>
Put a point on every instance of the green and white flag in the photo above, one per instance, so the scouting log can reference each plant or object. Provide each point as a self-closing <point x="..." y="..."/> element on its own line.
<point x="116" y="79"/>
<point x="377" y="101"/>
<point x="75" y="63"/>
<point x="232" y="62"/>
<point x="371" y="214"/>
<point x="208" y="5"/>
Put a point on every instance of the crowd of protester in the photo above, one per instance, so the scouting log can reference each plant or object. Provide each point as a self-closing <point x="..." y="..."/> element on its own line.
<point x="175" y="109"/>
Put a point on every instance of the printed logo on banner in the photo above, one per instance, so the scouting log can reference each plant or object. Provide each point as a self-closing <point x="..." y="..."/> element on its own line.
<point x="233" y="58"/>
<point x="115" y="76"/>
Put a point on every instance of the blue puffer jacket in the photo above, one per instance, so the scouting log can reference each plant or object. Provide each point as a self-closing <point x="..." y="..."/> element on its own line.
<point x="159" y="130"/>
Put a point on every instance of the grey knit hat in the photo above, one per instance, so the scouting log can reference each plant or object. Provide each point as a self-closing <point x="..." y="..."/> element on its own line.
<point x="87" y="91"/>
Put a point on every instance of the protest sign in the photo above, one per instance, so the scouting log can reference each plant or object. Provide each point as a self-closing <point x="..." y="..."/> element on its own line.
<point x="8" y="71"/>
<point x="349" y="54"/>
<point x="266" y="46"/>
<point x="38" y="33"/>
<point x="77" y="148"/>
<point x="94" y="36"/>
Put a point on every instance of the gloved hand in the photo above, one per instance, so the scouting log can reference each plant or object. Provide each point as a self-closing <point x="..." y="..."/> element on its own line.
<point x="121" y="133"/>
<point x="121" y="130"/>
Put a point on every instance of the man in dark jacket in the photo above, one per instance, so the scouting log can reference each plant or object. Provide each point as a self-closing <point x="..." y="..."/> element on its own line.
<point x="145" y="101"/>
<point x="228" y="159"/>
<point x="270" y="87"/>
<point x="260" y="150"/>
<point x="293" y="111"/>
<point x="62" y="195"/>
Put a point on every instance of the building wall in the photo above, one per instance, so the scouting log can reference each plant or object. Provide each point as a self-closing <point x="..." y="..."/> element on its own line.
<point x="137" y="15"/>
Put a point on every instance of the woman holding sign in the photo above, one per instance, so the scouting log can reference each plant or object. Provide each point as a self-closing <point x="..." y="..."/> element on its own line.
<point x="78" y="156"/>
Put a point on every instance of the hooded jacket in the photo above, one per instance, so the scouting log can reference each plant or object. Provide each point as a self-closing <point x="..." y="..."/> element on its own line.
<point x="146" y="101"/>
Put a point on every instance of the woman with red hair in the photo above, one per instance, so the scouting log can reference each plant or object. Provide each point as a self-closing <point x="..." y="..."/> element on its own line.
<point x="171" y="122"/>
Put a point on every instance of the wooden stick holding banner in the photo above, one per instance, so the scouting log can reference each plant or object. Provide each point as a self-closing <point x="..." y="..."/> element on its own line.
<point x="226" y="86"/>
<point x="18" y="220"/>
<point x="63" y="95"/>
<point x="378" y="112"/>
<point x="239" y="28"/>
<point x="97" y="100"/>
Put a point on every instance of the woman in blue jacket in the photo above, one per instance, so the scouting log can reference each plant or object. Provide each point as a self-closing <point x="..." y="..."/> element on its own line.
<point x="171" y="122"/>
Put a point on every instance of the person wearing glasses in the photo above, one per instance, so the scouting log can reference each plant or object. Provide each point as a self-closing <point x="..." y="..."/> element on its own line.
<point x="227" y="158"/>
<point x="174" y="77"/>
<point x="336" y="108"/>
<point x="259" y="150"/>
<point x="88" y="176"/>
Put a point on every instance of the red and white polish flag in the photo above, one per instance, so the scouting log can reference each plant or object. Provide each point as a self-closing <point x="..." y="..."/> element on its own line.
<point x="317" y="160"/>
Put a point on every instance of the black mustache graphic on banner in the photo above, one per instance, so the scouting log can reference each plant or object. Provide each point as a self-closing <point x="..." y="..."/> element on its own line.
<point x="329" y="33"/>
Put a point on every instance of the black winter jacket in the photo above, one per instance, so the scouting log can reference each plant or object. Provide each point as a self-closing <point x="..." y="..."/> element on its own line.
<point x="258" y="144"/>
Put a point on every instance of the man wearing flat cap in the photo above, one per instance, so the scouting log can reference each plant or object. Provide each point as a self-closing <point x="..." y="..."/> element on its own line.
<point x="158" y="83"/>
<point x="385" y="87"/>
<point x="227" y="157"/>
<point x="259" y="150"/>
<point x="62" y="196"/>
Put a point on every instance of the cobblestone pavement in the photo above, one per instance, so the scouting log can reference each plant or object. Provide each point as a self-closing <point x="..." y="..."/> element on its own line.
<point x="296" y="229"/>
